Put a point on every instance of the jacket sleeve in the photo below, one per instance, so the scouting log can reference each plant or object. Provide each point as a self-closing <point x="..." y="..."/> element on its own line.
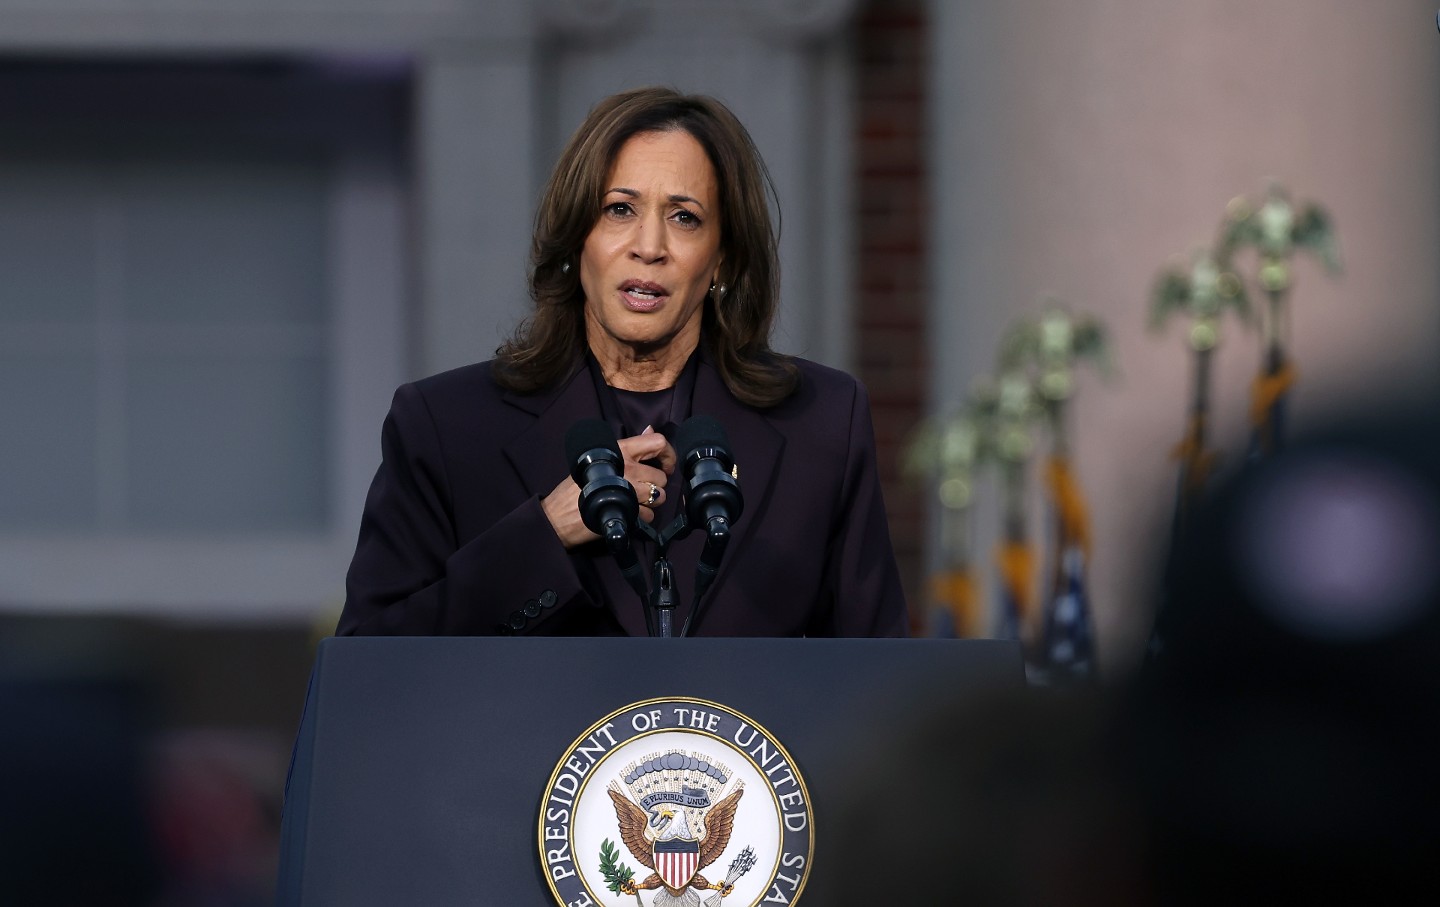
<point x="412" y="576"/>
<point x="868" y="599"/>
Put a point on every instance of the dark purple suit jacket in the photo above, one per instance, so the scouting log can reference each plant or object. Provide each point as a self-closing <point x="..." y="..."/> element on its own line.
<point x="454" y="540"/>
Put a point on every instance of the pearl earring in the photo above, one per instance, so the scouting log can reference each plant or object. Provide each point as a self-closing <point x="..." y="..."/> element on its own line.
<point x="565" y="268"/>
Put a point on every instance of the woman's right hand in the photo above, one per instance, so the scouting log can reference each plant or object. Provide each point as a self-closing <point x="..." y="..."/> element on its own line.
<point x="562" y="506"/>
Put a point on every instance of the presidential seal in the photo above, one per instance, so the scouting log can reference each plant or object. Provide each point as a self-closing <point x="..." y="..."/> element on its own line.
<point x="705" y="802"/>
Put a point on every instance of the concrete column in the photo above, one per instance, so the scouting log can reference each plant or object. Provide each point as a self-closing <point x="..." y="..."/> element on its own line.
<point x="476" y="189"/>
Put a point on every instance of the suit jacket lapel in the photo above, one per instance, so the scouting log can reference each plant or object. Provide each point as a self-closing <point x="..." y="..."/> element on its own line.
<point x="756" y="446"/>
<point x="532" y="453"/>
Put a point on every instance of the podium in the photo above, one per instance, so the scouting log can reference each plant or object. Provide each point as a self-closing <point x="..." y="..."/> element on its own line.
<point x="421" y="763"/>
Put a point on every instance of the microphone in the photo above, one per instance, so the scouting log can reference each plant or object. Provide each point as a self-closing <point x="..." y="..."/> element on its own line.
<point x="712" y="497"/>
<point x="608" y="505"/>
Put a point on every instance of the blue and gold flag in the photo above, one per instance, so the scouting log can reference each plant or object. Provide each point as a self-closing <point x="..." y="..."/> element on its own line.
<point x="1067" y="647"/>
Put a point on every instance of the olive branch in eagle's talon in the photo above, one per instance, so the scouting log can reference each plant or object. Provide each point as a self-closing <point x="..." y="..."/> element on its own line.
<point x="619" y="878"/>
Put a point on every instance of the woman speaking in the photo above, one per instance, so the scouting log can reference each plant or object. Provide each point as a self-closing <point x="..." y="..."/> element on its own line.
<point x="654" y="277"/>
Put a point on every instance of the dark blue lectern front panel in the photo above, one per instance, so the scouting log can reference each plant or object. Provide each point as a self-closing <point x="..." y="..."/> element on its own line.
<point x="421" y="762"/>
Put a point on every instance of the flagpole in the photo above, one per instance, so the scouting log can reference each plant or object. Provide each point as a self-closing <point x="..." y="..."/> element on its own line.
<point x="1276" y="230"/>
<point x="1267" y="408"/>
<point x="1044" y="352"/>
<point x="943" y="455"/>
<point x="1011" y="443"/>
<point x="1192" y="453"/>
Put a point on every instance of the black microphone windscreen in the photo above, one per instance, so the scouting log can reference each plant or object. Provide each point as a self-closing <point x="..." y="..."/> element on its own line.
<point x="699" y="431"/>
<point x="589" y="434"/>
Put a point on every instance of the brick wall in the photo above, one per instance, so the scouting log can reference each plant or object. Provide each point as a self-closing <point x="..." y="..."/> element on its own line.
<point x="892" y="266"/>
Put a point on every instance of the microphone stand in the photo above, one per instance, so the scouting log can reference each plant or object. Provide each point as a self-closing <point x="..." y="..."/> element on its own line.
<point x="709" y="565"/>
<point x="629" y="565"/>
<point x="663" y="596"/>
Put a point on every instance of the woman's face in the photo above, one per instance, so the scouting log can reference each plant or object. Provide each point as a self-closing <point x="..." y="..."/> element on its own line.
<point x="655" y="249"/>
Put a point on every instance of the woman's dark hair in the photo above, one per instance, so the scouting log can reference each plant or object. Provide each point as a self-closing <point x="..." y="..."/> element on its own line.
<point x="735" y="330"/>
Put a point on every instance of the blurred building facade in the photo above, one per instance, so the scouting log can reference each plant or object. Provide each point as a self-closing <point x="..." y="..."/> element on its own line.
<point x="232" y="229"/>
<point x="229" y="228"/>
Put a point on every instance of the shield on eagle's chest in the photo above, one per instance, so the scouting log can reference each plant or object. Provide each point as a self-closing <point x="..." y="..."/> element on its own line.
<point x="676" y="861"/>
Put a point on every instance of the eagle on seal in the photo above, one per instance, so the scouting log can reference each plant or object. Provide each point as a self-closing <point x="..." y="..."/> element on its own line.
<point x="719" y="822"/>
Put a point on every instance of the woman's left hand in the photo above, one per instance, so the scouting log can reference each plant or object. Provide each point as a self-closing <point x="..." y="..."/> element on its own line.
<point x="649" y="461"/>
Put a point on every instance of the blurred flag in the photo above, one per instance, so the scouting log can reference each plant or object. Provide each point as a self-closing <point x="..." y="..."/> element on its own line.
<point x="959" y="613"/>
<point x="1066" y="641"/>
<point x="1016" y="563"/>
<point x="1069" y="648"/>
<point x="1268" y="396"/>
<point x="1276" y="229"/>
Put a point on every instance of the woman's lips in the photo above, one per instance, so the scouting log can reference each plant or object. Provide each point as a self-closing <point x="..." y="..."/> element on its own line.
<point x="642" y="296"/>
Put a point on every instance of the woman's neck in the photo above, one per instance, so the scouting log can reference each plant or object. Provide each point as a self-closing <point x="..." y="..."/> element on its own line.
<point x="641" y="368"/>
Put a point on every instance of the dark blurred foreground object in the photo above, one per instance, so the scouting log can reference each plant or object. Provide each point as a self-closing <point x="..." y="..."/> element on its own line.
<point x="105" y="799"/>
<point x="1018" y="798"/>
<point x="215" y="811"/>
<point x="73" y="827"/>
<point x="1287" y="729"/>
<point x="1280" y="748"/>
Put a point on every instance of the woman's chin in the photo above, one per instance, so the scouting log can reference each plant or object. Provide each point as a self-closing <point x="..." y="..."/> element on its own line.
<point x="641" y="335"/>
